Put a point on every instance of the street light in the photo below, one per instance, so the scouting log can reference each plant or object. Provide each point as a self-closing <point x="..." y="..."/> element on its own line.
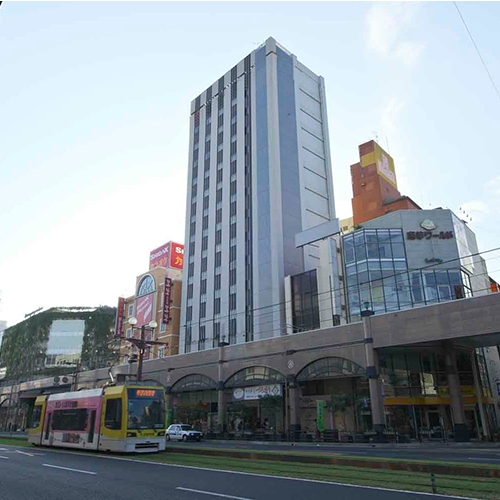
<point x="141" y="343"/>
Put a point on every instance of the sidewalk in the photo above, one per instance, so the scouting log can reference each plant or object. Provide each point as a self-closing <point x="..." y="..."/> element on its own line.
<point x="322" y="444"/>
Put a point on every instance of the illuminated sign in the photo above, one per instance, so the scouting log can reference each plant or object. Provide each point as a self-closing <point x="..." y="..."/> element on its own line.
<point x="166" y="301"/>
<point x="120" y="311"/>
<point x="170" y="254"/>
<point x="145" y="393"/>
<point x="429" y="235"/>
<point x="176" y="255"/>
<point x="144" y="309"/>
<point x="159" y="257"/>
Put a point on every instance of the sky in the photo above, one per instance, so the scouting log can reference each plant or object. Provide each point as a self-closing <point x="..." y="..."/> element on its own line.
<point x="94" y="122"/>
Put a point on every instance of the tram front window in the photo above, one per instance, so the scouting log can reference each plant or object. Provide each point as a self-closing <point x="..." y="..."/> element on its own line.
<point x="146" y="409"/>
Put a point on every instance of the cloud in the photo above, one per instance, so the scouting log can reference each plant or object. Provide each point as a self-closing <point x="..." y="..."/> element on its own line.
<point x="389" y="114"/>
<point x="409" y="52"/>
<point x="386" y="23"/>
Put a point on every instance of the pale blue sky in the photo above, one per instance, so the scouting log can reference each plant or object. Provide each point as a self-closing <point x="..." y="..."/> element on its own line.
<point x="94" y="122"/>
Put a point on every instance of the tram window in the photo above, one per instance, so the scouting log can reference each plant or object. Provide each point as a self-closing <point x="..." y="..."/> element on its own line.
<point x="35" y="417"/>
<point x="113" y="416"/>
<point x="69" y="420"/>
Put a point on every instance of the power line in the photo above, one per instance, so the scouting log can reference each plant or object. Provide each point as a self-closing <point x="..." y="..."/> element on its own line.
<point x="334" y="291"/>
<point x="477" y="50"/>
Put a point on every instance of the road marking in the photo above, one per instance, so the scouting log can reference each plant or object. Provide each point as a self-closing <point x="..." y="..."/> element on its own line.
<point x="347" y="485"/>
<point x="24" y="453"/>
<point x="212" y="493"/>
<point x="484" y="459"/>
<point x="6" y="458"/>
<point x="68" y="468"/>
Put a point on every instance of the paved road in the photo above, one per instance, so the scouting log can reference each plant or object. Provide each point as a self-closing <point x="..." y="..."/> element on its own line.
<point x="41" y="474"/>
<point x="449" y="453"/>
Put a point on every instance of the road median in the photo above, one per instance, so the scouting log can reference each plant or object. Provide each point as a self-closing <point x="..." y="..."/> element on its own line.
<point x="428" y="467"/>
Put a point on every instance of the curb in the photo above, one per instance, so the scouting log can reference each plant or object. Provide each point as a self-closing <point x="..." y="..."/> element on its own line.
<point x="454" y="470"/>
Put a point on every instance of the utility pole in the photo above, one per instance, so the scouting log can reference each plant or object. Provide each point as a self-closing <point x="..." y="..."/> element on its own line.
<point x="141" y="354"/>
<point x="141" y="343"/>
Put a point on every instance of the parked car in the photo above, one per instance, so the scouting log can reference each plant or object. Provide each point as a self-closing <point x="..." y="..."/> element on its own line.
<point x="182" y="432"/>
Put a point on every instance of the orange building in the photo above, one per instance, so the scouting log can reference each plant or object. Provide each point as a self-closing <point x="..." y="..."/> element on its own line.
<point x="374" y="185"/>
<point x="157" y="297"/>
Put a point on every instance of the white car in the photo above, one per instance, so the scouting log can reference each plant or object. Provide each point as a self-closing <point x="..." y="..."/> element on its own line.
<point x="182" y="432"/>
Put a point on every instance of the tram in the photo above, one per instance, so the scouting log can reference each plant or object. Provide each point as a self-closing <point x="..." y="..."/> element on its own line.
<point x="117" y="418"/>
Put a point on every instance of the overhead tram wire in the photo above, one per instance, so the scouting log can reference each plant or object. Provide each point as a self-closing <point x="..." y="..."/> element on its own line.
<point x="478" y="51"/>
<point x="397" y="310"/>
<point x="270" y="308"/>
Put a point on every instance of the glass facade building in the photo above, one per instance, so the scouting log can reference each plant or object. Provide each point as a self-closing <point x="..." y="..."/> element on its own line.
<point x="65" y="342"/>
<point x="378" y="276"/>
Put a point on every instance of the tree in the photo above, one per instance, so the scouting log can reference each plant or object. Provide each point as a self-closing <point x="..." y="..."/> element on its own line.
<point x="339" y="403"/>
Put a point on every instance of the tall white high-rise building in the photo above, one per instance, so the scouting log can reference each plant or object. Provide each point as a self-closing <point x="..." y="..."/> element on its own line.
<point x="259" y="173"/>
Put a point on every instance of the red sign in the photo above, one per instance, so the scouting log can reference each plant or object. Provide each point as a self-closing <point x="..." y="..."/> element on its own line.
<point x="166" y="301"/>
<point x="176" y="255"/>
<point x="159" y="256"/>
<point x="144" y="309"/>
<point x="120" y="311"/>
<point x="168" y="255"/>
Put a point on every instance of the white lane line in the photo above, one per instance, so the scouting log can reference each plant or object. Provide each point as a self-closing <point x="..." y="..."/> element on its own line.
<point x="24" y="453"/>
<point x="6" y="458"/>
<point x="68" y="468"/>
<point x="254" y="474"/>
<point x="212" y="493"/>
<point x="484" y="459"/>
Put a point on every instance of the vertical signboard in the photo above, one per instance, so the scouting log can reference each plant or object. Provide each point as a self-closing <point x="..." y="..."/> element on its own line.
<point x="166" y="300"/>
<point x="176" y="255"/>
<point x="120" y="311"/>
<point x="144" y="309"/>
<point x="320" y="415"/>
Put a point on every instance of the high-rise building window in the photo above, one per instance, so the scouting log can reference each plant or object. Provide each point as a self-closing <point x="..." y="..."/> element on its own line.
<point x="219" y="176"/>
<point x="203" y="286"/>
<point x="232" y="277"/>
<point x="205" y="222"/>
<point x="232" y="331"/>
<point x="203" y="264"/>
<point x="204" y="243"/>
<point x="190" y="292"/>
<point x="232" y="231"/>
<point x="188" y="340"/>
<point x="191" y="269"/>
<point x="217" y="281"/>
<point x="189" y="313"/>
<point x="217" y="306"/>
<point x="203" y="309"/>
<point x="232" y="301"/>
<point x="202" y="338"/>
<point x="218" y="195"/>
<point x="232" y="253"/>
<point x="305" y="307"/>
<point x="218" y="259"/>
<point x="191" y="248"/>
<point x="216" y="336"/>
